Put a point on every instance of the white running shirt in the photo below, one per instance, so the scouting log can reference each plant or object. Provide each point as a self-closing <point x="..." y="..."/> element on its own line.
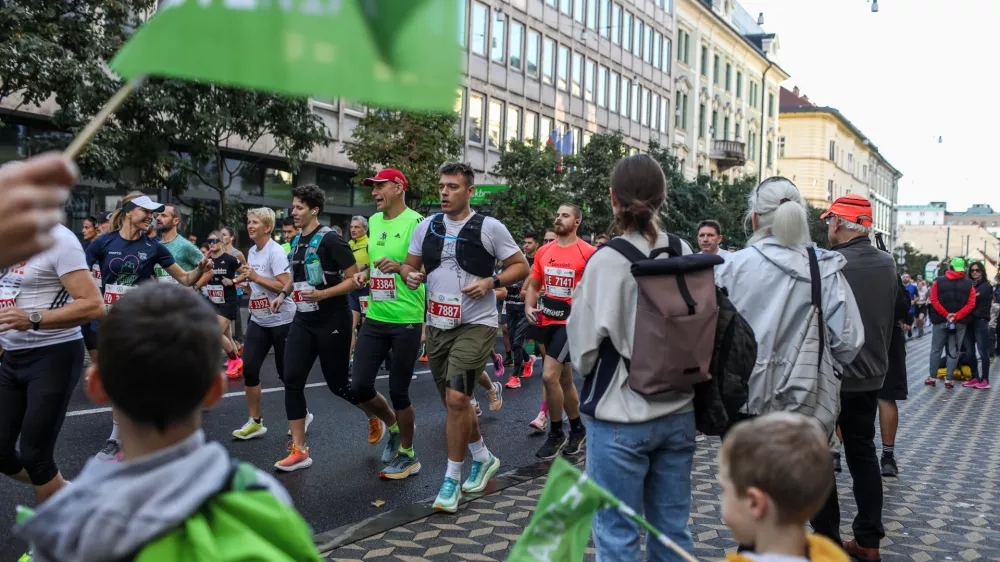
<point x="35" y="285"/>
<point x="269" y="262"/>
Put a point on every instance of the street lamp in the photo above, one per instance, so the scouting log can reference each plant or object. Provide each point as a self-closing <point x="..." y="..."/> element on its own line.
<point x="874" y="6"/>
<point x="760" y="19"/>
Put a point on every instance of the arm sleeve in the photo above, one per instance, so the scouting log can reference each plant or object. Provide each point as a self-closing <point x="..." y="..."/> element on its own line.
<point x="502" y="242"/>
<point x="163" y="256"/>
<point x="338" y="251"/>
<point x="969" y="306"/>
<point x="69" y="256"/>
<point x="935" y="302"/>
<point x="417" y="238"/>
<point x="843" y="320"/>
<point x="584" y="332"/>
<point x="536" y="269"/>
<point x="94" y="252"/>
<point x="279" y="263"/>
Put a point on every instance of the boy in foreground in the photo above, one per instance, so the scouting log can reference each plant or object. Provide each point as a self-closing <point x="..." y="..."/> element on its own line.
<point x="775" y="473"/>
<point x="158" y="366"/>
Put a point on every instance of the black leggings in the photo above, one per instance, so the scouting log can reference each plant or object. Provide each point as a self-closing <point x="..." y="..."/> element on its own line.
<point x="259" y="341"/>
<point x="35" y="388"/>
<point x="331" y="342"/>
<point x="375" y="342"/>
<point x="518" y="329"/>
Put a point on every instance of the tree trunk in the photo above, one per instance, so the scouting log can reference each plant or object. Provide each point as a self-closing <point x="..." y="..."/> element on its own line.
<point x="221" y="188"/>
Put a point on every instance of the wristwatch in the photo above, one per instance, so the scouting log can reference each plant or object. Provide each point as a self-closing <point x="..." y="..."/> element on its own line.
<point x="496" y="282"/>
<point x="36" y="320"/>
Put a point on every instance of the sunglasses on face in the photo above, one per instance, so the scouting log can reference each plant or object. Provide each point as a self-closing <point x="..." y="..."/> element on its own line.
<point x="213" y="240"/>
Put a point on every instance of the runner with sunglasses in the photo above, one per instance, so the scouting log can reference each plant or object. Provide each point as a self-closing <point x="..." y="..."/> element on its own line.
<point x="220" y="289"/>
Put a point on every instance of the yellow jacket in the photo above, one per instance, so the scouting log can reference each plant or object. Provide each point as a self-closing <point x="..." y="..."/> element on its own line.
<point x="821" y="549"/>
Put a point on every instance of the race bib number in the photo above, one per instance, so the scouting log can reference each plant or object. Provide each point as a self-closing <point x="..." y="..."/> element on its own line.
<point x="8" y="297"/>
<point x="383" y="286"/>
<point x="114" y="292"/>
<point x="364" y="304"/>
<point x="95" y="274"/>
<point x="301" y="305"/>
<point x="444" y="311"/>
<point x="216" y="294"/>
<point x="163" y="276"/>
<point x="260" y="305"/>
<point x="559" y="282"/>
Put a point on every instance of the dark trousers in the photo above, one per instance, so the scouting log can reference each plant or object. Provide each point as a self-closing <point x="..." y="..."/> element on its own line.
<point x="518" y="329"/>
<point x="857" y="425"/>
<point x="977" y="336"/>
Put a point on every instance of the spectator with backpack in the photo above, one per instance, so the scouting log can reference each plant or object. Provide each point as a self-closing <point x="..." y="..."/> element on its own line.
<point x="176" y="496"/>
<point x="800" y="307"/>
<point x="641" y="442"/>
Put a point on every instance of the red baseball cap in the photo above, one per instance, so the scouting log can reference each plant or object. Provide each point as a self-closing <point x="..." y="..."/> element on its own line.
<point x="854" y="208"/>
<point x="387" y="174"/>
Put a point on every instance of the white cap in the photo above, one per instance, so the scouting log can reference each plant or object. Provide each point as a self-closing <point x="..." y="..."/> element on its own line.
<point x="146" y="203"/>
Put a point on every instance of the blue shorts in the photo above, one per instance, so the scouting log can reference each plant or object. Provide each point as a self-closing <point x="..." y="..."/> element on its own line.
<point x="354" y="299"/>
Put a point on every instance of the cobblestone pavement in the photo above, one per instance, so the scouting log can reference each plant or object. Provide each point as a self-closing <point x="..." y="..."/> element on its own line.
<point x="944" y="506"/>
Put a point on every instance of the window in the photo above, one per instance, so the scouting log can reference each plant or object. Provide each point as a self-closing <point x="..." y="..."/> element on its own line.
<point x="648" y="45"/>
<point x="578" y="10"/>
<point x="739" y="132"/>
<point x="657" y="47"/>
<point x="701" y="120"/>
<point x="562" y="80"/>
<point x="640" y="114"/>
<point x="480" y="17"/>
<point x="544" y="129"/>
<point x="463" y="22"/>
<point x="715" y="69"/>
<point x="770" y="156"/>
<point x="602" y="86"/>
<point x="729" y="77"/>
<point x="665" y="64"/>
<point x="550" y="2"/>
<point x="646" y="113"/>
<point x="586" y="137"/>
<point x="739" y="85"/>
<point x="850" y="163"/>
<point x="636" y="100"/>
<point x="605" y="14"/>
<point x="752" y="146"/>
<point x="725" y="128"/>
<point x="590" y="69"/>
<point x="616" y="24"/>
<point x="592" y="14"/>
<point x="476" y="118"/>
<point x="833" y="151"/>
<point x="577" y="139"/>
<point x="770" y="105"/>
<point x="516" y="43"/>
<point x="548" y="61"/>
<point x="627" y="31"/>
<point x="704" y="61"/>
<point x="577" y="88"/>
<point x="654" y="108"/>
<point x="513" y="123"/>
<point x="637" y="30"/>
<point x="626" y="91"/>
<point x="613" y="92"/>
<point x="459" y="107"/>
<point x="495" y="123"/>
<point x="714" y="131"/>
<point x="664" y="114"/>
<point x="530" y="122"/>
<point x="499" y="35"/>
<point x="566" y="7"/>
<point x="681" y="107"/>
<point x="532" y="52"/>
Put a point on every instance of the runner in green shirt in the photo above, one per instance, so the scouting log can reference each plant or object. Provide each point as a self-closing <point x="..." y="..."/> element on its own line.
<point x="186" y="254"/>
<point x="393" y="323"/>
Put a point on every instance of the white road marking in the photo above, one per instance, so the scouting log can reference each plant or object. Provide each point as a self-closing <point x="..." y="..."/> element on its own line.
<point x="232" y="394"/>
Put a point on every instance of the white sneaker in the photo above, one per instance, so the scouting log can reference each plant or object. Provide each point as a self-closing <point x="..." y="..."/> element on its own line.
<point x="309" y="420"/>
<point x="475" y="404"/>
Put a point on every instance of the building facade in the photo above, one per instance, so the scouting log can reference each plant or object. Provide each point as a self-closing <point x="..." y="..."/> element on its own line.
<point x="972" y="241"/>
<point x="921" y="215"/>
<point x="828" y="157"/>
<point x="979" y="214"/>
<point x="726" y="91"/>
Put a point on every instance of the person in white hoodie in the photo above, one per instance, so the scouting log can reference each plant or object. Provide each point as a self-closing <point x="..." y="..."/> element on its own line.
<point x="769" y="283"/>
<point x="640" y="448"/>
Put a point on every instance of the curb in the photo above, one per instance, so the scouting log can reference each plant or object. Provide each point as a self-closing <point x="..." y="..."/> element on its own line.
<point x="360" y="530"/>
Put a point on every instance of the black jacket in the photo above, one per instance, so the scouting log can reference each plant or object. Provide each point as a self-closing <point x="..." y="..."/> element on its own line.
<point x="984" y="299"/>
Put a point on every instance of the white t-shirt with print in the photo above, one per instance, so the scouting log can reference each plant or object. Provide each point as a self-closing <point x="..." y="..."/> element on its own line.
<point x="38" y="287"/>
<point x="447" y="281"/>
<point x="269" y="262"/>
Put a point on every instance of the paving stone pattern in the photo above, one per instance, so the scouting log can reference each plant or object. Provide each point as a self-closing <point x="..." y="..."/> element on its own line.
<point x="944" y="506"/>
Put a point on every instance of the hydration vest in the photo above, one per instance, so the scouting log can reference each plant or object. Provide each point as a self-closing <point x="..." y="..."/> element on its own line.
<point x="470" y="253"/>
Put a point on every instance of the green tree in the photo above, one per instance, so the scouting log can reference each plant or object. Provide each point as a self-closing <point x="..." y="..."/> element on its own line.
<point x="730" y="207"/>
<point x="817" y="227"/>
<point x="590" y="178"/>
<point x="412" y="142"/>
<point x="915" y="262"/>
<point x="688" y="202"/>
<point x="534" y="178"/>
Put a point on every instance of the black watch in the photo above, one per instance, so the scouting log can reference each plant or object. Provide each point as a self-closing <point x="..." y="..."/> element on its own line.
<point x="496" y="282"/>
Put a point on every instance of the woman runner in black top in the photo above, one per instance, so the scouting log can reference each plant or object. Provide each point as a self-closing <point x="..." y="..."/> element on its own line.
<point x="219" y="288"/>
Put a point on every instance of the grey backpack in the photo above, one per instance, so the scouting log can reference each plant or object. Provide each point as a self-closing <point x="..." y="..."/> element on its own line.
<point x="676" y="316"/>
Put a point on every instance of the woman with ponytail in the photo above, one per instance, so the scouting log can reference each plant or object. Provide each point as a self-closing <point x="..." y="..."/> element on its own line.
<point x="127" y="256"/>
<point x="640" y="448"/>
<point x="770" y="284"/>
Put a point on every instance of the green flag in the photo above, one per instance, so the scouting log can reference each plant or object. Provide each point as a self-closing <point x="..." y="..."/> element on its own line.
<point x="560" y="529"/>
<point x="395" y="53"/>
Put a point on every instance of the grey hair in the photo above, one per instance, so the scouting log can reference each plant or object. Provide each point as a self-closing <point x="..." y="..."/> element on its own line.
<point x="780" y="211"/>
<point x="363" y="220"/>
<point x="855" y="226"/>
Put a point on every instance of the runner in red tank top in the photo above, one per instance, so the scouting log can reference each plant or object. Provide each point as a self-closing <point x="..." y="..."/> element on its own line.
<point x="556" y="272"/>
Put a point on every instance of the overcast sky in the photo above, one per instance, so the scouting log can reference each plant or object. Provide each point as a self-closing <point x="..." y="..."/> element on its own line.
<point x="914" y="71"/>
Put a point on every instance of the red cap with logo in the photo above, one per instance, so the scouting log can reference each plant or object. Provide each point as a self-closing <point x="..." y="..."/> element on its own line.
<point x="387" y="174"/>
<point x="853" y="208"/>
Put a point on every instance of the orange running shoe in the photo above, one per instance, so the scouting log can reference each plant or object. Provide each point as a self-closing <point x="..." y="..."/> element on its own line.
<point x="376" y="430"/>
<point x="234" y="368"/>
<point x="297" y="458"/>
<point x="529" y="366"/>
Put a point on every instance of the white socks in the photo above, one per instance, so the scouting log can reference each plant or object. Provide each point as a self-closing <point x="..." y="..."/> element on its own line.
<point x="479" y="451"/>
<point x="454" y="470"/>
<point x="114" y="432"/>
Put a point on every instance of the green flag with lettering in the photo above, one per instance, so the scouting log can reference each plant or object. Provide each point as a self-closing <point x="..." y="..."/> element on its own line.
<point x="394" y="53"/>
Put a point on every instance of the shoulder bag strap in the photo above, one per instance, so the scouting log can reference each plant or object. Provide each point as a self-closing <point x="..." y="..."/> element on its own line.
<point x="627" y="249"/>
<point x="817" y="300"/>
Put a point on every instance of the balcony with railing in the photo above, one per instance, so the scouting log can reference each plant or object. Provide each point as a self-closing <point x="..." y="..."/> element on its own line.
<point x="728" y="154"/>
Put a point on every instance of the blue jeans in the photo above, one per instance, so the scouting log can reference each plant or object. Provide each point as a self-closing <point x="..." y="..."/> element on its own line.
<point x="977" y="336"/>
<point x="648" y="467"/>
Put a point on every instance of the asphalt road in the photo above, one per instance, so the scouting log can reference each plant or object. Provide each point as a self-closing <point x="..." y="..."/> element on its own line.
<point x="343" y="481"/>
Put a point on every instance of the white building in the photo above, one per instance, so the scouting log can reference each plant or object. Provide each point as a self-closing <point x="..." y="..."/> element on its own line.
<point x="922" y="214"/>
